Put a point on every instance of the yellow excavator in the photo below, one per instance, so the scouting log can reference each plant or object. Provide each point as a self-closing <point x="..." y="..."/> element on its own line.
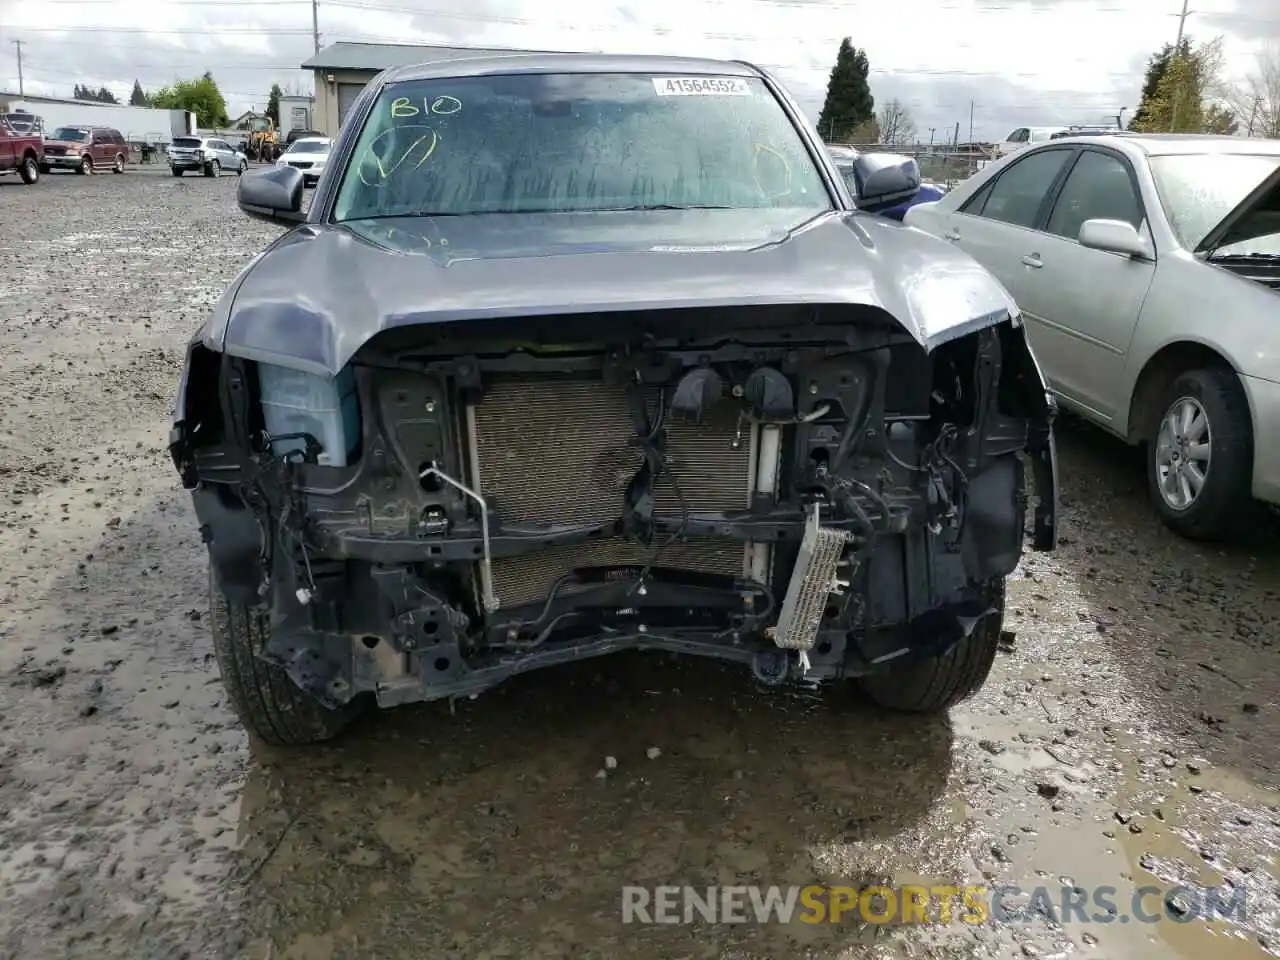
<point x="262" y="139"/>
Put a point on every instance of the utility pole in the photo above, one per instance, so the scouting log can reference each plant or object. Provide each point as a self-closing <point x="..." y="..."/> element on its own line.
<point x="315" y="23"/>
<point x="970" y="122"/>
<point x="18" y="44"/>
<point x="1253" y="114"/>
<point x="1177" y="52"/>
<point x="931" y="129"/>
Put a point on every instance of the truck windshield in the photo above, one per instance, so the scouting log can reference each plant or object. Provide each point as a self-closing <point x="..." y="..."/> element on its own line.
<point x="70" y="133"/>
<point x="577" y="142"/>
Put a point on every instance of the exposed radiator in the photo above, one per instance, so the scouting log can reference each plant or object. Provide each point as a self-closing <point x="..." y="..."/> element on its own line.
<point x="561" y="451"/>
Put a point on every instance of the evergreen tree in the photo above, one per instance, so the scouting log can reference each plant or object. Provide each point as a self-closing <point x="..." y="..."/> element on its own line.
<point x="849" y="104"/>
<point x="273" y="104"/>
<point x="101" y="95"/>
<point x="1157" y="67"/>
<point x="1186" y="95"/>
<point x="139" y="96"/>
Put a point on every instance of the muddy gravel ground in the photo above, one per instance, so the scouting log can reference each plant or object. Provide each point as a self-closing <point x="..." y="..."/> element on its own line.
<point x="1128" y="736"/>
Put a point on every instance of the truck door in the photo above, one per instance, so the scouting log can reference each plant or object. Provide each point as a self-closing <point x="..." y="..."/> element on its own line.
<point x="7" y="160"/>
<point x="100" y="149"/>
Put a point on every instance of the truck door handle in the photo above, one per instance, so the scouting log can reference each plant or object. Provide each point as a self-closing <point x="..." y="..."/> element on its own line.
<point x="952" y="235"/>
<point x="1033" y="260"/>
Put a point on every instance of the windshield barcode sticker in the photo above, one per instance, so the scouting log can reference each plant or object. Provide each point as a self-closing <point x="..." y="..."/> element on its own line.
<point x="701" y="86"/>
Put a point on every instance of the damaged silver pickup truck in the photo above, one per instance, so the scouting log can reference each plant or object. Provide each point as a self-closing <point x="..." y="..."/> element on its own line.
<point x="574" y="354"/>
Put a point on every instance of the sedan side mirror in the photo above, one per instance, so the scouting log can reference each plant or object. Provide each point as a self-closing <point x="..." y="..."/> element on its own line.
<point x="273" y="194"/>
<point x="883" y="180"/>
<point x="1113" y="236"/>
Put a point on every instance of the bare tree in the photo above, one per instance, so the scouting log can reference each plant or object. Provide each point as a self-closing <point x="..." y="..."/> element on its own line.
<point x="1257" y="102"/>
<point x="896" y="125"/>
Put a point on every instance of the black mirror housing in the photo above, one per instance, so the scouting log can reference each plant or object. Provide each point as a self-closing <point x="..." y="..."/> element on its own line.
<point x="274" y="194"/>
<point x="884" y="180"/>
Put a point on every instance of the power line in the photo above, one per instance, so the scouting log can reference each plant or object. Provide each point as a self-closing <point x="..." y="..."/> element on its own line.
<point x="827" y="9"/>
<point x="202" y="65"/>
<point x="370" y="38"/>
<point x="200" y="31"/>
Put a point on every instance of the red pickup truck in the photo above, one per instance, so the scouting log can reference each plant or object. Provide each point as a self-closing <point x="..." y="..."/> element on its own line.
<point x="21" y="148"/>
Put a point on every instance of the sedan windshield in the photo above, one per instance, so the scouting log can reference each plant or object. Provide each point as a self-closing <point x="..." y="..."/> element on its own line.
<point x="70" y="133"/>
<point x="309" y="146"/>
<point x="1197" y="191"/>
<point x="577" y="142"/>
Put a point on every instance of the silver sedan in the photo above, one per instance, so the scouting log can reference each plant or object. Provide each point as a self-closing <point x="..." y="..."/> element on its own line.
<point x="1147" y="268"/>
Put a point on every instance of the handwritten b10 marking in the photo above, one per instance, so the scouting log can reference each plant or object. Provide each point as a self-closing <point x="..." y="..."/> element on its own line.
<point x="403" y="107"/>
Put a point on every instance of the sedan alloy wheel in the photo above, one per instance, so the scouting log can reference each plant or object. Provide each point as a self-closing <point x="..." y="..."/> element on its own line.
<point x="1184" y="451"/>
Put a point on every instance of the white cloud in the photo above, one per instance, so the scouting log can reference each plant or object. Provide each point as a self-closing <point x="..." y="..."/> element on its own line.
<point x="1016" y="61"/>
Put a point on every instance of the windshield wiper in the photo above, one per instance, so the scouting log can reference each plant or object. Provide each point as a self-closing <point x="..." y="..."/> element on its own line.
<point x="663" y="206"/>
<point x="431" y="214"/>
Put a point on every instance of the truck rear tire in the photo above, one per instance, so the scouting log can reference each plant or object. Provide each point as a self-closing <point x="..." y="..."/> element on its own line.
<point x="30" y="170"/>
<point x="935" y="684"/>
<point x="269" y="704"/>
<point x="118" y="166"/>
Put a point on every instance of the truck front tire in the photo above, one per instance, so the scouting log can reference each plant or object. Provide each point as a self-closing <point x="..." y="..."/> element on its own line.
<point x="30" y="170"/>
<point x="935" y="684"/>
<point x="269" y="704"/>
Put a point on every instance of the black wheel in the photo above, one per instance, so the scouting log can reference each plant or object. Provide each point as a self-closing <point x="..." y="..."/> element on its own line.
<point x="213" y="169"/>
<point x="118" y="166"/>
<point x="244" y="165"/>
<point x="30" y="171"/>
<point x="86" y="166"/>
<point x="1200" y="456"/>
<point x="936" y="684"/>
<point x="269" y="704"/>
<point x="177" y="171"/>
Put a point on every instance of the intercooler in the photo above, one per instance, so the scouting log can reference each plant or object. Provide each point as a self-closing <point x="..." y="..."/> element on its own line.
<point x="563" y="452"/>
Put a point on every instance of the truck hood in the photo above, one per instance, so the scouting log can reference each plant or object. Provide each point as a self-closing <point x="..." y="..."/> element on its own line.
<point x="321" y="291"/>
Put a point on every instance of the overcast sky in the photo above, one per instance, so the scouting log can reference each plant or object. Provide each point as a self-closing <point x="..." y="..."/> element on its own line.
<point x="1018" y="62"/>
